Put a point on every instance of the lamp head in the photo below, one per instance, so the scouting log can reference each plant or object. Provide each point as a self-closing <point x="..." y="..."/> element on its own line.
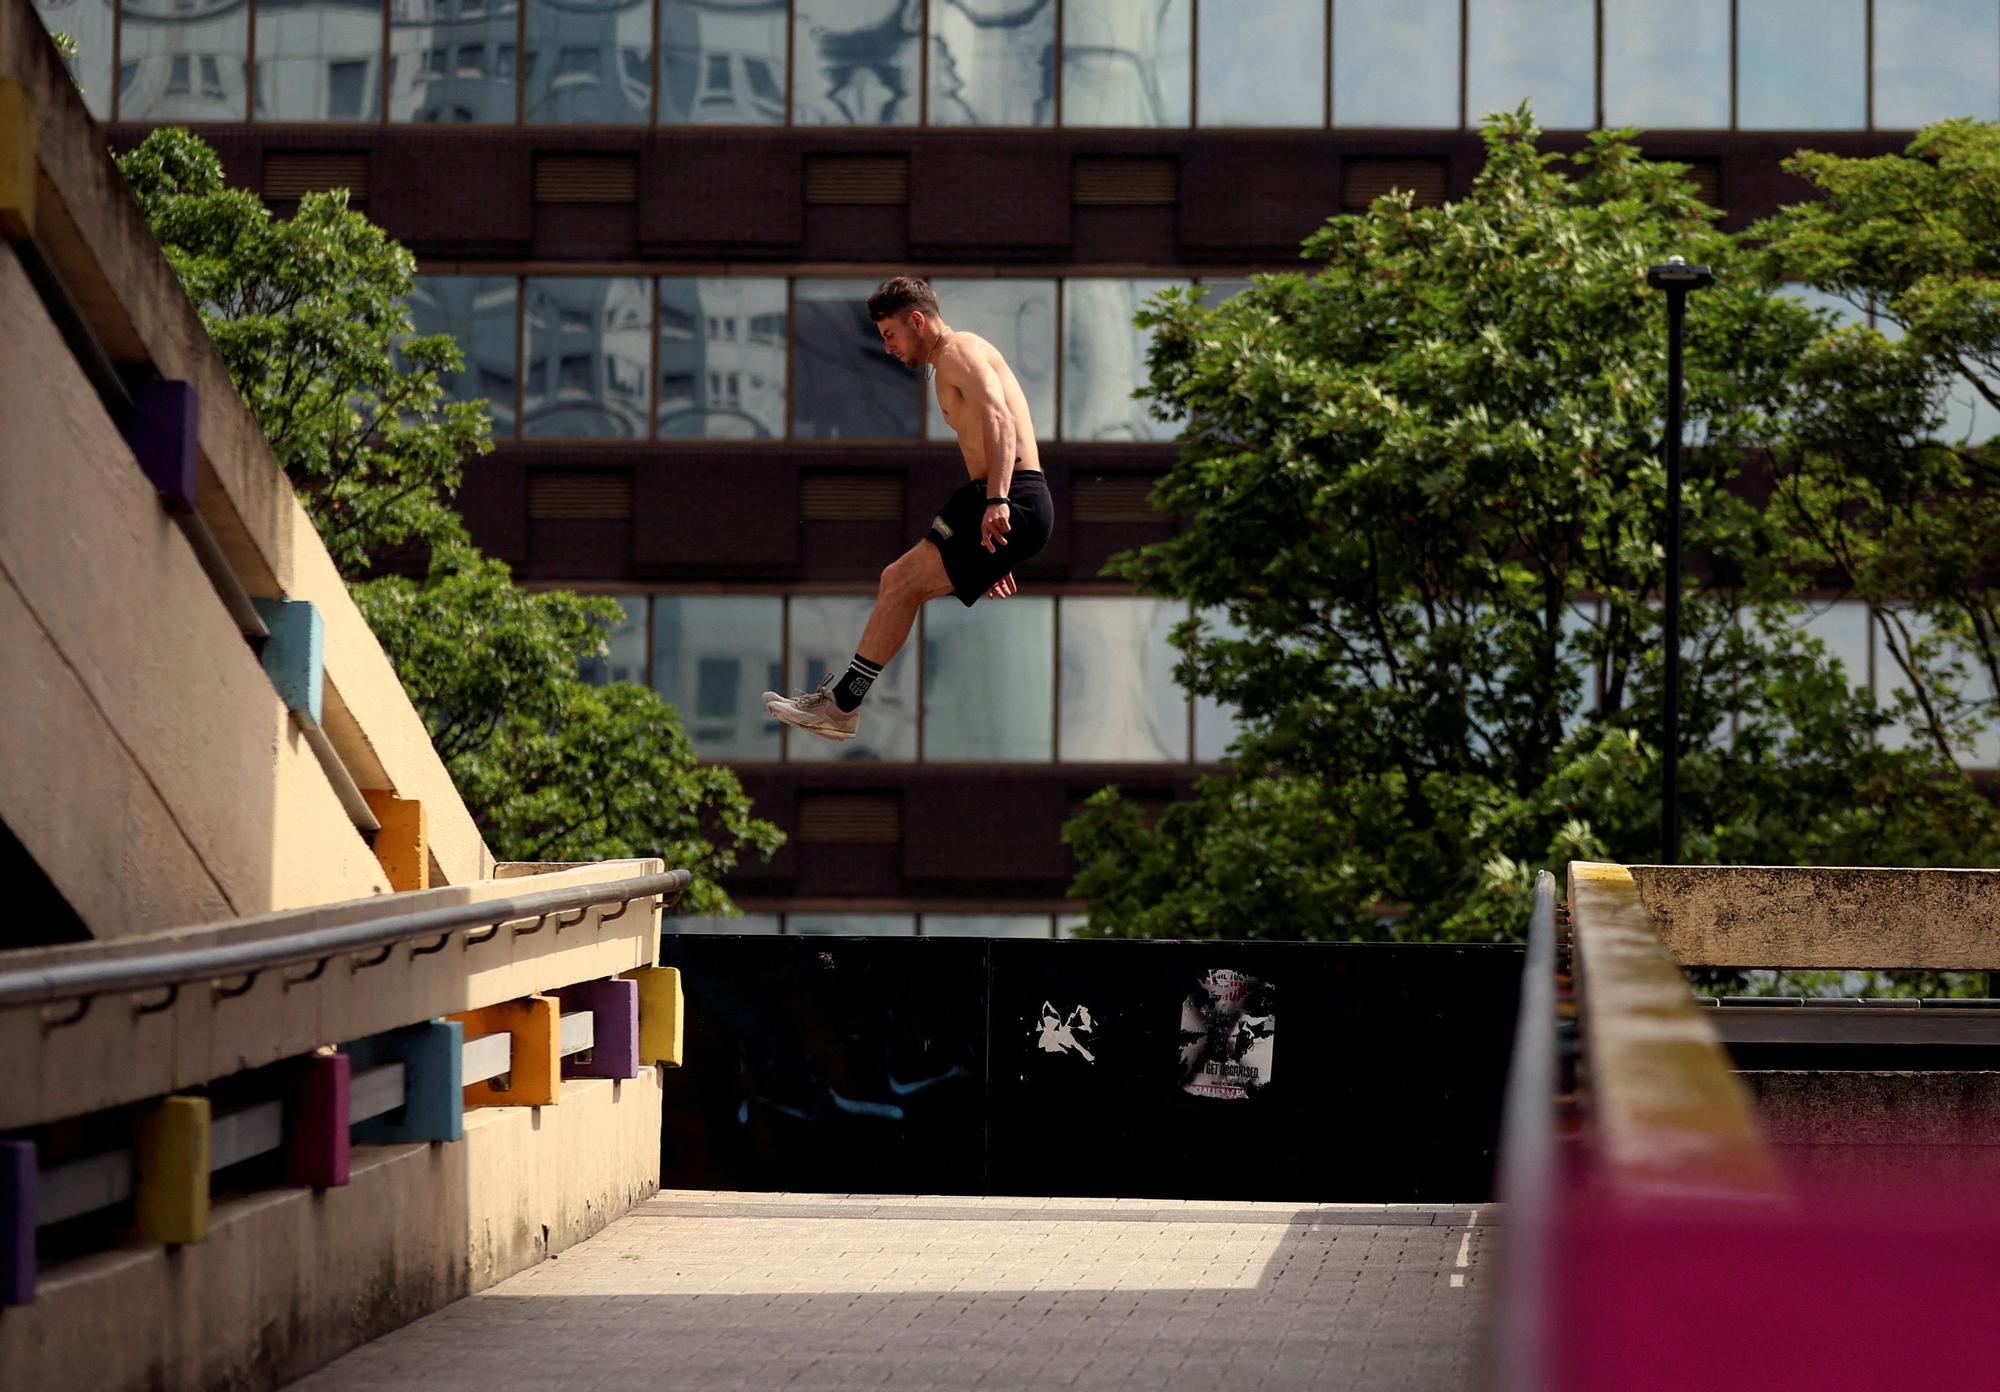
<point x="1677" y="274"/>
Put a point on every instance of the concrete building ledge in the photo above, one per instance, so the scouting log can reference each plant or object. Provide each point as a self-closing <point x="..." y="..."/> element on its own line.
<point x="290" y="1279"/>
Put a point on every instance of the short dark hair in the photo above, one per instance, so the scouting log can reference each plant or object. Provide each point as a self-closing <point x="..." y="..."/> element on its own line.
<point x="899" y="293"/>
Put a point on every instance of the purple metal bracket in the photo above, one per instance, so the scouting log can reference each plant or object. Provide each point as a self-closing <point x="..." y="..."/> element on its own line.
<point x="316" y="1139"/>
<point x="19" y="1209"/>
<point x="615" y="1006"/>
<point x="164" y="436"/>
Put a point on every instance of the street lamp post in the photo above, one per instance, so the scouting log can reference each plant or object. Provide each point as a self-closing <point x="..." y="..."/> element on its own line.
<point x="1677" y="278"/>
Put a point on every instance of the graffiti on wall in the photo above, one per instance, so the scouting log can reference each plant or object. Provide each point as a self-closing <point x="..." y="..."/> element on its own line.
<point x="1057" y="1033"/>
<point x="1229" y="1025"/>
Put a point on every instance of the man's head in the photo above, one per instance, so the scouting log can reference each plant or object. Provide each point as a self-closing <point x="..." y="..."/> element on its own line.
<point x="905" y="311"/>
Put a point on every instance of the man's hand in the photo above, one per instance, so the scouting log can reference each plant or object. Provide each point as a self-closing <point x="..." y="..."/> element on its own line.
<point x="1003" y="587"/>
<point x="994" y="526"/>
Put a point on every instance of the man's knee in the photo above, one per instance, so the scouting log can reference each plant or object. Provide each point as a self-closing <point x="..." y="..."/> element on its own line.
<point x="908" y="578"/>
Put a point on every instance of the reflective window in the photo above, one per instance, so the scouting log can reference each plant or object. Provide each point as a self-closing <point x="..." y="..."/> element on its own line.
<point x="1216" y="724"/>
<point x="856" y="62"/>
<point x="1540" y="51"/>
<point x="989" y="691"/>
<point x="625" y="647"/>
<point x="825" y="631"/>
<point x="92" y="23"/>
<point x="1261" y="63"/>
<point x="589" y="351"/>
<point x="1666" y="67"/>
<point x="1104" y="361"/>
<point x="760" y="925"/>
<point x="722" y="358"/>
<point x="1947" y="667"/>
<point x="183" y="60"/>
<point x="1970" y="416"/>
<point x="478" y="312"/>
<point x="1844" y="628"/>
<point x="853" y="925"/>
<point x="1936" y="59"/>
<point x="714" y="657"/>
<point x="1119" y="697"/>
<point x="1395" y="63"/>
<point x="1800" y="64"/>
<point x="1125" y="62"/>
<point x="1019" y="318"/>
<point x="319" y="60"/>
<point x="846" y="386"/>
<point x="993" y="63"/>
<point x="954" y="925"/>
<point x="589" y="62"/>
<point x="452" y="60"/>
<point x="722" y="62"/>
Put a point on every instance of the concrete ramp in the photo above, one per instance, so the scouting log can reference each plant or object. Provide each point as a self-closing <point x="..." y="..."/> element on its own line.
<point x="722" y="1290"/>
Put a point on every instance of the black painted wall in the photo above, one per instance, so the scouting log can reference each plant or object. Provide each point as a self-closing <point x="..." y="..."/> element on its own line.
<point x="1339" y="1072"/>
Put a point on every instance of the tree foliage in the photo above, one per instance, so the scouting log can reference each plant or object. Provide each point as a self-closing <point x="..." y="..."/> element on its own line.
<point x="1422" y="487"/>
<point x="309" y="314"/>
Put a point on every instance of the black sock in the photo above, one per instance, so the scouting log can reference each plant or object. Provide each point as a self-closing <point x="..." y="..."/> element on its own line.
<point x="849" y="690"/>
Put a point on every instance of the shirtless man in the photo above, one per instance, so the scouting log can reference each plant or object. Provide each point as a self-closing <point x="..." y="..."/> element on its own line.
<point x="985" y="529"/>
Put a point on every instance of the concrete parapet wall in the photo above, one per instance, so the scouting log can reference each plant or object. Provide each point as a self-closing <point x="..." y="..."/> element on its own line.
<point x="1834" y="918"/>
<point x="89" y="231"/>
<point x="290" y="1279"/>
<point x="1875" y="1128"/>
<point x="126" y="650"/>
<point x="114" y="1055"/>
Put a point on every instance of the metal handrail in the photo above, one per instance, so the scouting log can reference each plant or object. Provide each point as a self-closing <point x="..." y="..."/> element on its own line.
<point x="80" y="981"/>
<point x="1528" y="1157"/>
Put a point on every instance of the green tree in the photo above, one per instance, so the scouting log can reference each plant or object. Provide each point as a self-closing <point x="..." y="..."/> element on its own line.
<point x="309" y="314"/>
<point x="1422" y="493"/>
<point x="1888" y="484"/>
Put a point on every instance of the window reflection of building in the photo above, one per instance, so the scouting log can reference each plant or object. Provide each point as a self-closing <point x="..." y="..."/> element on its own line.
<point x="1125" y="62"/>
<point x="847" y="387"/>
<point x="723" y="62"/>
<point x="722" y="358"/>
<point x="588" y="355"/>
<point x="478" y="313"/>
<point x="1019" y="318"/>
<point x="1104" y="358"/>
<point x="1667" y="68"/>
<point x="713" y="658"/>
<point x="1534" y="50"/>
<point x="183" y="60"/>
<point x="1262" y="63"/>
<point x="1802" y="64"/>
<point x="452" y="61"/>
<point x="992" y="62"/>
<point x="1119" y="698"/>
<point x="92" y="23"/>
<point x="318" y="60"/>
<point x="823" y="631"/>
<point x="856" y="62"/>
<point x="1395" y="63"/>
<point x="589" y="62"/>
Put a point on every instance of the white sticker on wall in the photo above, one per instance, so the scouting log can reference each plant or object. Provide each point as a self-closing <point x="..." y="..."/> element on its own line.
<point x="1229" y="1028"/>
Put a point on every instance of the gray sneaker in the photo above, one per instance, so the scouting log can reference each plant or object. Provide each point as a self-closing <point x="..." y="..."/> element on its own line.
<point x="815" y="711"/>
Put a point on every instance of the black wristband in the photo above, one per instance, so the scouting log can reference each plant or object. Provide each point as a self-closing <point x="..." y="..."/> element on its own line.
<point x="991" y="501"/>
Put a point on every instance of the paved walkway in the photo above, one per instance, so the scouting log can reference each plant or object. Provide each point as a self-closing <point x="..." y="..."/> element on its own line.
<point x="713" y="1291"/>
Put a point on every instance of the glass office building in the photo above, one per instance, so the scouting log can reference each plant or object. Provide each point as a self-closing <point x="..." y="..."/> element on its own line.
<point x="652" y="225"/>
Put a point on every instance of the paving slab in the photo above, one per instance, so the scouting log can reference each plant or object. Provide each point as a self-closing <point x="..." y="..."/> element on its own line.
<point x="716" y="1291"/>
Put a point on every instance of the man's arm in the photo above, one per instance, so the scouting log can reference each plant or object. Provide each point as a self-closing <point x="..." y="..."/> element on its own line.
<point x="986" y="413"/>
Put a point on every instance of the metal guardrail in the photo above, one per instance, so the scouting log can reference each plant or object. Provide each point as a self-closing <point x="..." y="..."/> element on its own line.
<point x="84" y="981"/>
<point x="1528" y="1158"/>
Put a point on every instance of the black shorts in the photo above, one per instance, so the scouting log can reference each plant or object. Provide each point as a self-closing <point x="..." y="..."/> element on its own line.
<point x="972" y="569"/>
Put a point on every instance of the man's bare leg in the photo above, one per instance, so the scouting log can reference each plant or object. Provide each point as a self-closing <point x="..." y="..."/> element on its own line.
<point x="911" y="581"/>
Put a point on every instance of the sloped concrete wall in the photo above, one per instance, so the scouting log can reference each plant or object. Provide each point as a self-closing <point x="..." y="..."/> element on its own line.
<point x="288" y="1280"/>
